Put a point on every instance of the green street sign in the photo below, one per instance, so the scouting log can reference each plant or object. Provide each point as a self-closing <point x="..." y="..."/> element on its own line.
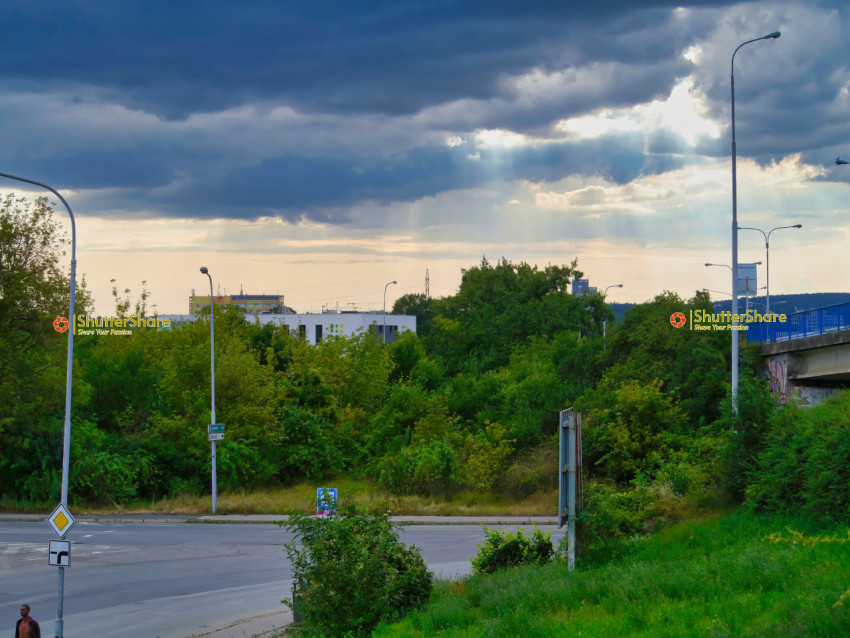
<point x="215" y="428"/>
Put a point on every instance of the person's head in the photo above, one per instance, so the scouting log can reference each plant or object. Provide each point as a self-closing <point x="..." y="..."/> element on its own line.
<point x="25" y="610"/>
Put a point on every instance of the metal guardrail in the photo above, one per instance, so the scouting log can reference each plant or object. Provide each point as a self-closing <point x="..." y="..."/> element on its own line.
<point x="807" y="323"/>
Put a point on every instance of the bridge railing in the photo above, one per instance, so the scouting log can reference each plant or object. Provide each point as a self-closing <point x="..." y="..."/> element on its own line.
<point x="807" y="323"/>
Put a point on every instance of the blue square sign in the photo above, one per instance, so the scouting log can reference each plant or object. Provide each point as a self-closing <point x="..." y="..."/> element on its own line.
<point x="326" y="499"/>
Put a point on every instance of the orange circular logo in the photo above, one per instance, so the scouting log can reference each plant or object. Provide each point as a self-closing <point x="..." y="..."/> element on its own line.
<point x="60" y="324"/>
<point x="677" y="319"/>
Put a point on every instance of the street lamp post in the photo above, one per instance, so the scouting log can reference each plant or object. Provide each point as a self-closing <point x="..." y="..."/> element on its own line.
<point x="69" y="368"/>
<point x="206" y="271"/>
<point x="769" y="36"/>
<point x="605" y="321"/>
<point x="384" y="331"/>
<point x="767" y="257"/>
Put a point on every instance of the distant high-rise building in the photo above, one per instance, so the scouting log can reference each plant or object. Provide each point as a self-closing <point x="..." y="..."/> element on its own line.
<point x="582" y="287"/>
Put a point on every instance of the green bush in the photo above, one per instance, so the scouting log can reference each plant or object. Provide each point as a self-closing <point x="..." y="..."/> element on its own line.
<point x="353" y="571"/>
<point x="803" y="466"/>
<point x="744" y="434"/>
<point x="502" y="549"/>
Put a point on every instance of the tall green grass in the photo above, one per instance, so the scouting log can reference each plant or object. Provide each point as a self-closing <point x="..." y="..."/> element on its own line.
<point x="302" y="498"/>
<point x="726" y="576"/>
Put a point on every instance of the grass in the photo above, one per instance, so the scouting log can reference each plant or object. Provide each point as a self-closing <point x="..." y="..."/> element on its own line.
<point x="301" y="498"/>
<point x="732" y="575"/>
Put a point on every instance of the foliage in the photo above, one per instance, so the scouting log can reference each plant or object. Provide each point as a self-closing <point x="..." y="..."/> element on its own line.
<point x="745" y="432"/>
<point x="713" y="577"/>
<point x="500" y="306"/>
<point x="802" y="467"/>
<point x="488" y="453"/>
<point x="629" y="429"/>
<point x="353" y="571"/>
<point x="503" y="549"/>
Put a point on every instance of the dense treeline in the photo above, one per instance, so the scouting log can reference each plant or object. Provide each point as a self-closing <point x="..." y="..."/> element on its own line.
<point x="470" y="403"/>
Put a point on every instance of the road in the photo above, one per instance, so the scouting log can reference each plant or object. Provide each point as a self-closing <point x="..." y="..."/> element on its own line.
<point x="175" y="580"/>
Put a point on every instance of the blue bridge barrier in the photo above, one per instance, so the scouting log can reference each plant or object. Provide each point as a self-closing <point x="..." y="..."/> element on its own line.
<point x="802" y="324"/>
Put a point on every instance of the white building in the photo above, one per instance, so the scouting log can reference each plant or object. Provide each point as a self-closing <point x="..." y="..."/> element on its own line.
<point x="314" y="327"/>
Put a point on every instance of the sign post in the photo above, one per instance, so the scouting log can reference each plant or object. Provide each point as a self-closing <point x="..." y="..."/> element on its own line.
<point x="60" y="521"/>
<point x="569" y="477"/>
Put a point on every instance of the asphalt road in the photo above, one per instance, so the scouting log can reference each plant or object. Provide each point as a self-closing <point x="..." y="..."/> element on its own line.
<point x="175" y="580"/>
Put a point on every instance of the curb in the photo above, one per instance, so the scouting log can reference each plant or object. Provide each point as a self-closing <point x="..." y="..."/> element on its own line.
<point x="267" y="519"/>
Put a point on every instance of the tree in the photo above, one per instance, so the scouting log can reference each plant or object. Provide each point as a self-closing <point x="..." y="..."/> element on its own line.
<point x="33" y="292"/>
<point x="498" y="307"/>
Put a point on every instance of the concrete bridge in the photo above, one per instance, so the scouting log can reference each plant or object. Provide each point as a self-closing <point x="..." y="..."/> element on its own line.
<point x="808" y="356"/>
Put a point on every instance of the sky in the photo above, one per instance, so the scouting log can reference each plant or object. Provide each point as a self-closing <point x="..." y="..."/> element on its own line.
<point x="320" y="150"/>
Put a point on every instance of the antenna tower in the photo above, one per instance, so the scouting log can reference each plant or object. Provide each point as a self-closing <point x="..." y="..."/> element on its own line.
<point x="427" y="281"/>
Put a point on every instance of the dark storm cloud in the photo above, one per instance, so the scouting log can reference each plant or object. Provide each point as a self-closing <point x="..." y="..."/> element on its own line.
<point x="178" y="58"/>
<point x="791" y="93"/>
<point x="295" y="186"/>
<point x="166" y="74"/>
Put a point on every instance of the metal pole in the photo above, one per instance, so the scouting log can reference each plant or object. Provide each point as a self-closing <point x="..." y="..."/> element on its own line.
<point x="212" y="384"/>
<point x="605" y="321"/>
<point x="775" y="34"/>
<point x="734" y="249"/>
<point x="767" y="256"/>
<point x="384" y="330"/>
<point x="69" y="370"/>
<point x="571" y="491"/>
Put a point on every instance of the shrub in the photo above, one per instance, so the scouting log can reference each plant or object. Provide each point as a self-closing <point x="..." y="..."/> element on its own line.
<point x="353" y="571"/>
<point x="802" y="467"/>
<point x="502" y="549"/>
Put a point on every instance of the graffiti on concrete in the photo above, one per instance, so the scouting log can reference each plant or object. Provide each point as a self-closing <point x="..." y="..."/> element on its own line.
<point x="778" y="378"/>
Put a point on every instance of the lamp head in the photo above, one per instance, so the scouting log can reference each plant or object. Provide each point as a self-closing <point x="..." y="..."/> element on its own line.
<point x="797" y="226"/>
<point x="773" y="35"/>
<point x="393" y="282"/>
<point x="204" y="270"/>
<point x="619" y="285"/>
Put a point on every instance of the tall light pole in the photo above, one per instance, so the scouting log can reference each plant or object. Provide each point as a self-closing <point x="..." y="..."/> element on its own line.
<point x="605" y="321"/>
<point x="769" y="36"/>
<point x="384" y="331"/>
<point x="206" y="271"/>
<point x="767" y="257"/>
<point x="69" y="369"/>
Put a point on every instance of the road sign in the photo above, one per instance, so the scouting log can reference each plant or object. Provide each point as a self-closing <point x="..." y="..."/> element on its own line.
<point x="61" y="521"/>
<point x="215" y="428"/>
<point x="218" y="436"/>
<point x="59" y="553"/>
<point x="747" y="279"/>
<point x="326" y="498"/>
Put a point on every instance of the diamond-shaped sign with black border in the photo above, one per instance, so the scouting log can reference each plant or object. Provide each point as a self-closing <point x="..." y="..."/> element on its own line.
<point x="61" y="521"/>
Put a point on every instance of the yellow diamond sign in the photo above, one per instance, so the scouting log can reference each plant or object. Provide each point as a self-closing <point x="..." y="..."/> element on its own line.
<point x="61" y="520"/>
